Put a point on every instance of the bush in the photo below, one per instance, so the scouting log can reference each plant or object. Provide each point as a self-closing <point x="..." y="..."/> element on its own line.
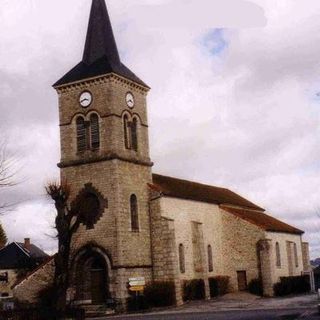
<point x="292" y="285"/>
<point x="193" y="289"/>
<point x="160" y="294"/>
<point x="255" y="287"/>
<point x="218" y="285"/>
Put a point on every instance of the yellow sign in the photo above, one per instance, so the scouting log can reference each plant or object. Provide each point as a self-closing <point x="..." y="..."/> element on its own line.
<point x="136" y="288"/>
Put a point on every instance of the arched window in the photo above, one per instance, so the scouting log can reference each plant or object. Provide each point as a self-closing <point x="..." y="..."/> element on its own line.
<point x="134" y="134"/>
<point x="134" y="213"/>
<point x="210" y="258"/>
<point x="81" y="135"/>
<point x="295" y="255"/>
<point x="278" y="255"/>
<point x="182" y="259"/>
<point x="125" y="132"/>
<point x="94" y="131"/>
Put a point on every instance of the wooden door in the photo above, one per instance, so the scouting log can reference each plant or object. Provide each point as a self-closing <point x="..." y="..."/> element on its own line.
<point x="98" y="286"/>
<point x="242" y="280"/>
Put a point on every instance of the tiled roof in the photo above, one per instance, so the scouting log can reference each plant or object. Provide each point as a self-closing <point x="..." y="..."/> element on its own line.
<point x="183" y="189"/>
<point x="262" y="220"/>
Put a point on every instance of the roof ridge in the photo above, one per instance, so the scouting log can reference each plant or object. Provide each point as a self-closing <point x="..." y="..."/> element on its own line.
<point x="191" y="181"/>
<point x="21" y="248"/>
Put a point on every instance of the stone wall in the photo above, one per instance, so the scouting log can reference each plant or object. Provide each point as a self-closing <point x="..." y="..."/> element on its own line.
<point x="288" y="266"/>
<point x="185" y="213"/>
<point x="239" y="249"/>
<point x="28" y="289"/>
<point x="305" y="256"/>
<point x="163" y="242"/>
<point x="109" y="103"/>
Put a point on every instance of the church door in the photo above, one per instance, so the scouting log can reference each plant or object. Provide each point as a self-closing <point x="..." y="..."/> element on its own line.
<point x="242" y="280"/>
<point x="98" y="282"/>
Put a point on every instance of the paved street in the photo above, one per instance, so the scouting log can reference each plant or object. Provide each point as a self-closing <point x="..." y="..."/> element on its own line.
<point x="291" y="314"/>
<point x="238" y="306"/>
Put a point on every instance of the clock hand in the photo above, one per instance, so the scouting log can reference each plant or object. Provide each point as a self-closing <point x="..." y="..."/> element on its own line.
<point x="85" y="99"/>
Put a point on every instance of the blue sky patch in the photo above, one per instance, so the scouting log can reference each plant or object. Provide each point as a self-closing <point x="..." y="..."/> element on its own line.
<point x="215" y="42"/>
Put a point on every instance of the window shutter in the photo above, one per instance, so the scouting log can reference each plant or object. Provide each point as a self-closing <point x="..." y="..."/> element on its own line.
<point x="95" y="131"/>
<point x="81" y="135"/>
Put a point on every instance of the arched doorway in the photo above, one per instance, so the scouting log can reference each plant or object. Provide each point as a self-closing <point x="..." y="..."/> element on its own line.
<point x="92" y="278"/>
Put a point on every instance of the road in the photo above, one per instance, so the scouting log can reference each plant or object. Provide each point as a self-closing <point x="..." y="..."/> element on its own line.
<point x="289" y="314"/>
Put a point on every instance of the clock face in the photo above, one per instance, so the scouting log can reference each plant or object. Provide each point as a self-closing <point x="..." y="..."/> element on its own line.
<point x="85" y="99"/>
<point x="130" y="100"/>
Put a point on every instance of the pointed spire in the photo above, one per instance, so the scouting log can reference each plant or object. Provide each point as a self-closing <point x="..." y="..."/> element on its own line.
<point x="101" y="54"/>
<point x="100" y="39"/>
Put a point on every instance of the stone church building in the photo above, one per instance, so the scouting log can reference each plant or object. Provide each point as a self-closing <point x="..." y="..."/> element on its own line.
<point x="140" y="224"/>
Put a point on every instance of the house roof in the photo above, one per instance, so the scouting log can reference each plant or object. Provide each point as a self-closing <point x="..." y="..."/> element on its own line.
<point x="101" y="54"/>
<point x="262" y="220"/>
<point x="15" y="256"/>
<point x="188" y="190"/>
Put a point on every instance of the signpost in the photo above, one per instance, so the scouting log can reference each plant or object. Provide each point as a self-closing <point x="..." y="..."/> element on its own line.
<point x="137" y="285"/>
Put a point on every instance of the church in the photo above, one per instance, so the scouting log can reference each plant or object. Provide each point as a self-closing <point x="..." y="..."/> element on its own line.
<point x="141" y="226"/>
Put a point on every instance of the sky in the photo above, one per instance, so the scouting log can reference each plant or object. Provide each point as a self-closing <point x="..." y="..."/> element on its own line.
<point x="235" y="99"/>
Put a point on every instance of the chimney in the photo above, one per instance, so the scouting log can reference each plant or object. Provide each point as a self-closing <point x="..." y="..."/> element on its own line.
<point x="27" y="244"/>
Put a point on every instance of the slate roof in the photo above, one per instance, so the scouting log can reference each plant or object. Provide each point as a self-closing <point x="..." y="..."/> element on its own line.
<point x="183" y="189"/>
<point x="101" y="54"/>
<point x="15" y="256"/>
<point x="263" y="221"/>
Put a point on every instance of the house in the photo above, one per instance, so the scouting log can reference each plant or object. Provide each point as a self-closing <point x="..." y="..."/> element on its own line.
<point x="17" y="259"/>
<point x="138" y="226"/>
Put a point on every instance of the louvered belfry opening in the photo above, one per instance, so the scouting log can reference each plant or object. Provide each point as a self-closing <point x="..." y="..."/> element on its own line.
<point x="81" y="135"/>
<point x="134" y="135"/>
<point x="95" y="131"/>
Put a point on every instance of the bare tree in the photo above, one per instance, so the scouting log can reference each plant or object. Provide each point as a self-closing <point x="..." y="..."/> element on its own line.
<point x="67" y="223"/>
<point x="8" y="172"/>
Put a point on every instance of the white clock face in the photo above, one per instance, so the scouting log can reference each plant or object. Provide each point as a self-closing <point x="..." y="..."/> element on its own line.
<point x="130" y="100"/>
<point x="85" y="99"/>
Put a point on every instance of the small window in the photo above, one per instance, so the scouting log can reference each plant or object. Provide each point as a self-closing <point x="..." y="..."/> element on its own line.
<point x="278" y="255"/>
<point x="134" y="213"/>
<point x="134" y="134"/>
<point x="182" y="259"/>
<point x="125" y="132"/>
<point x="94" y="131"/>
<point x="210" y="258"/>
<point x="296" y="255"/>
<point x="81" y="135"/>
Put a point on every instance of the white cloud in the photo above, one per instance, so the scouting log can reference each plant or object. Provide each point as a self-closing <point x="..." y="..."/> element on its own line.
<point x="247" y="118"/>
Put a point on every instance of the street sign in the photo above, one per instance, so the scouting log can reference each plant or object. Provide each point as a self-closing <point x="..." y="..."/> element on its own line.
<point x="136" y="288"/>
<point x="138" y="281"/>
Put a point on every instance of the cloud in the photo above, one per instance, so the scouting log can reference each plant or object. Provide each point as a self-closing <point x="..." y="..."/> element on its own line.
<point x="233" y="100"/>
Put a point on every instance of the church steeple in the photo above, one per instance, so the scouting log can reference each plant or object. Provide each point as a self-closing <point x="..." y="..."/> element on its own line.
<point x="100" y="55"/>
<point x="100" y="39"/>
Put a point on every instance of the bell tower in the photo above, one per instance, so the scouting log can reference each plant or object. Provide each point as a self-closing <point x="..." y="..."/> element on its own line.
<point x="105" y="160"/>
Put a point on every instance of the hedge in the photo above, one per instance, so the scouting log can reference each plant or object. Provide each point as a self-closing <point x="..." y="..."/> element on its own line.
<point x="193" y="289"/>
<point x="218" y="285"/>
<point x="160" y="294"/>
<point x="292" y="285"/>
<point x="255" y="287"/>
